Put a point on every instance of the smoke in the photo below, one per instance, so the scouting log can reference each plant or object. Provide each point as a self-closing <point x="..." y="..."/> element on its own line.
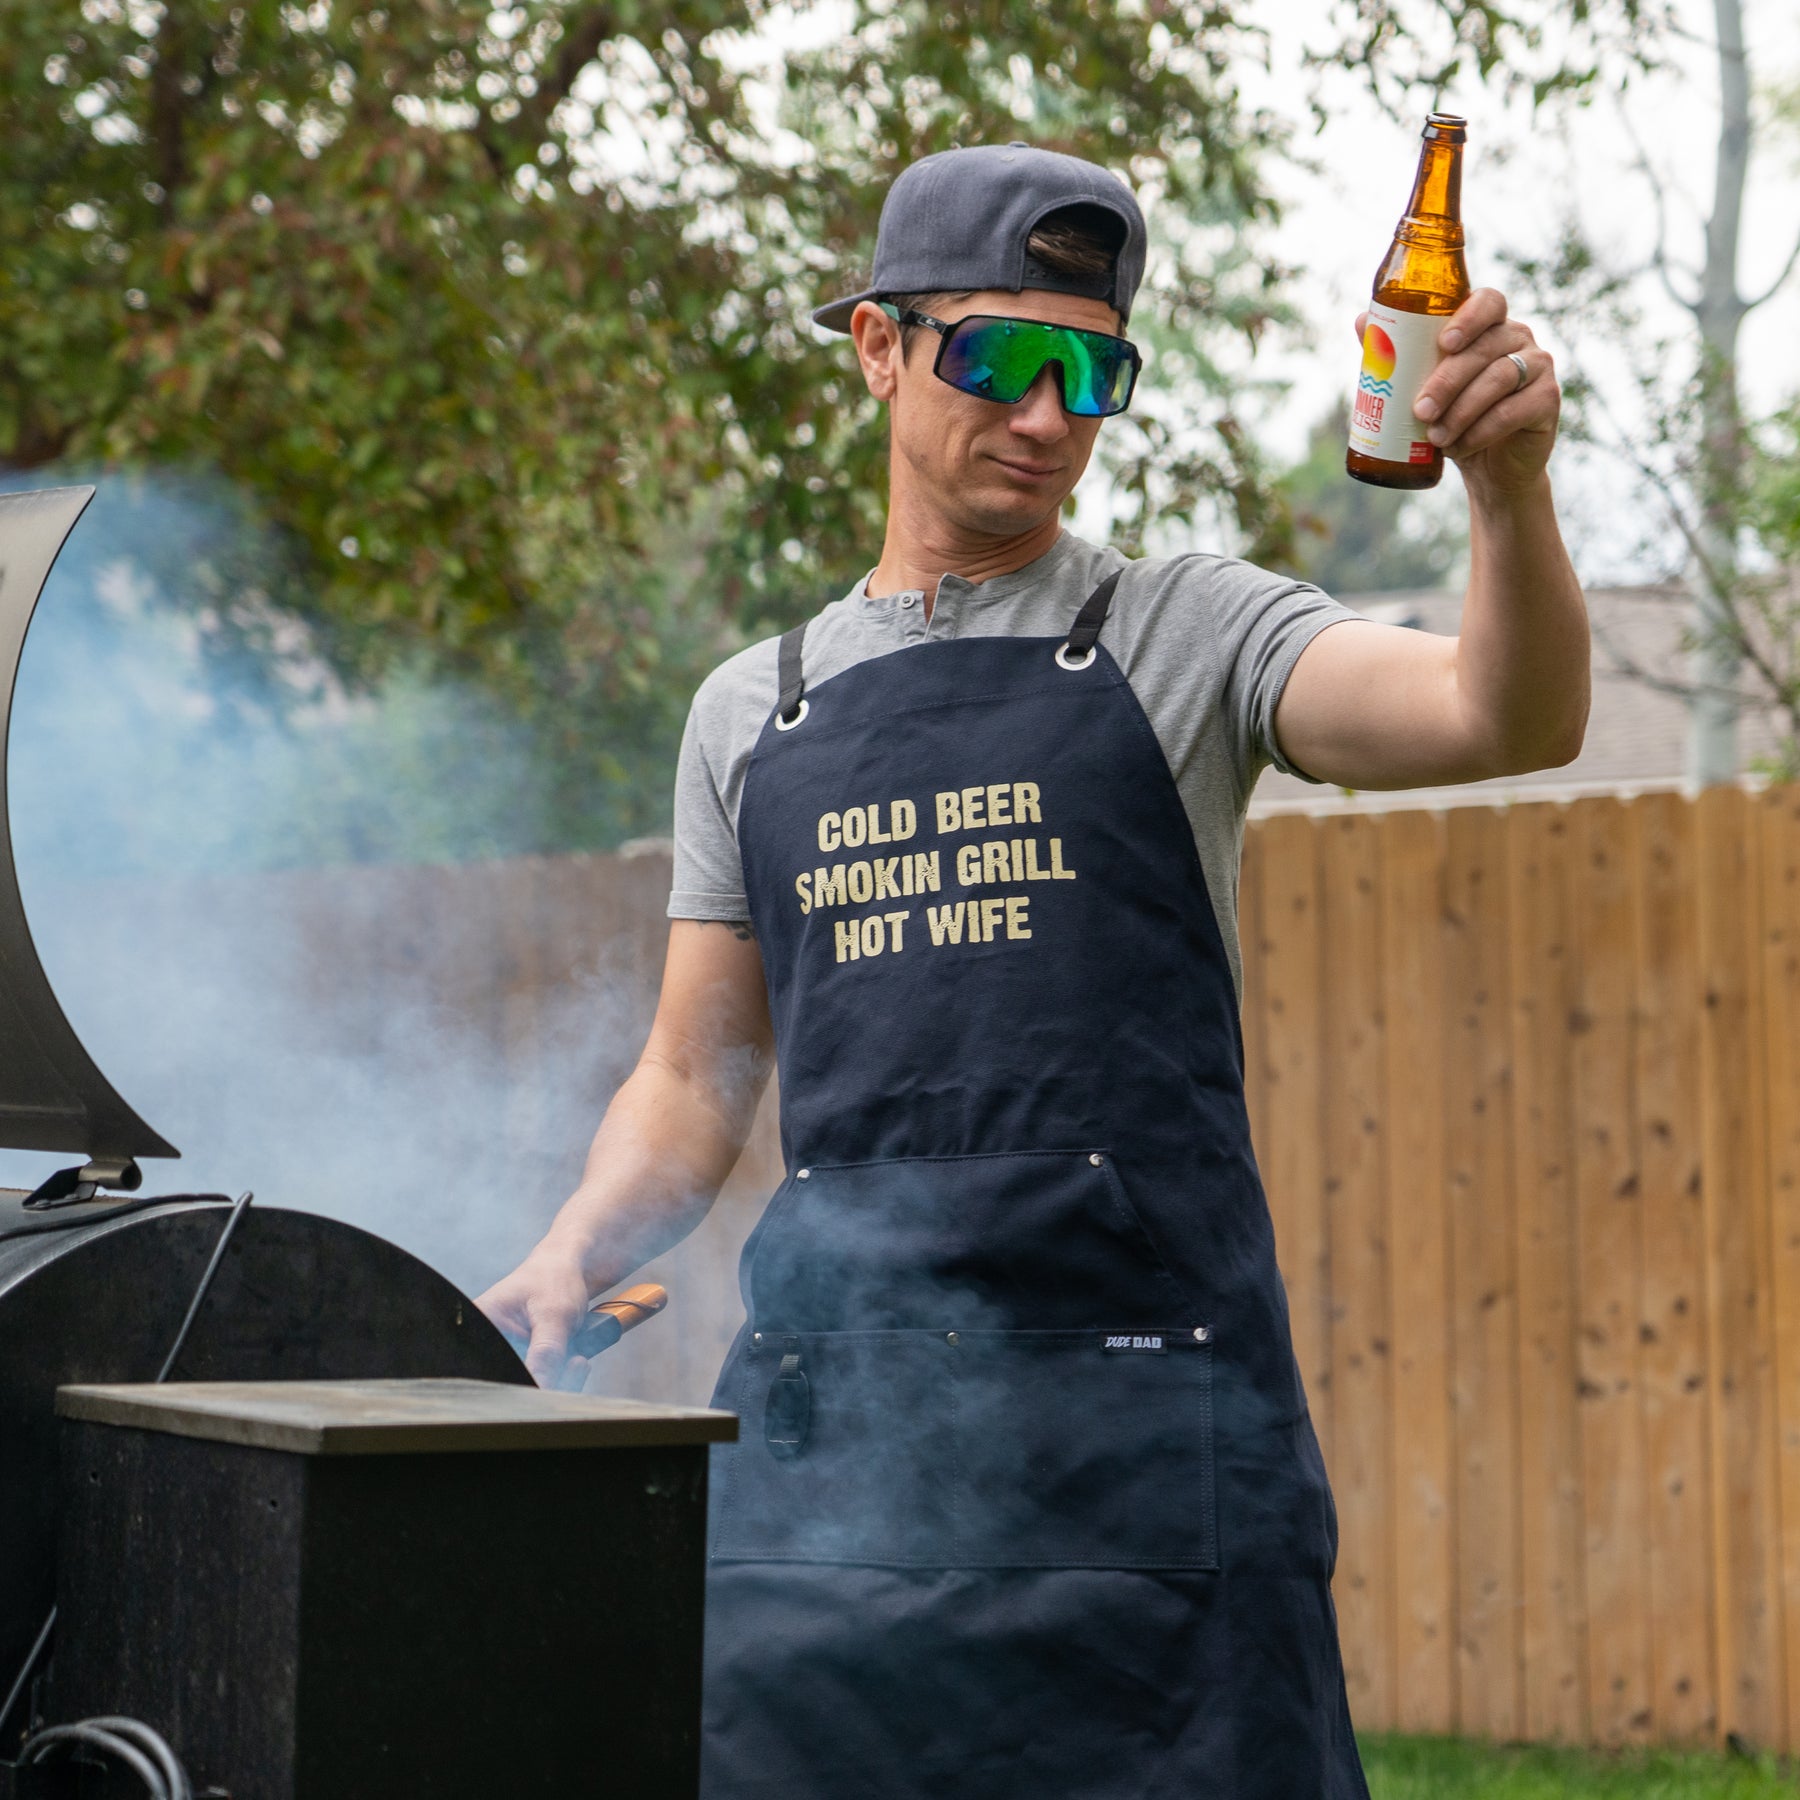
<point x="221" y="851"/>
<point x="171" y="718"/>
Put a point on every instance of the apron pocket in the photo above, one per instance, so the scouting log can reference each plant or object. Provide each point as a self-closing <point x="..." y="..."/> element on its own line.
<point x="1085" y="1449"/>
<point x="865" y="1476"/>
<point x="1039" y="1238"/>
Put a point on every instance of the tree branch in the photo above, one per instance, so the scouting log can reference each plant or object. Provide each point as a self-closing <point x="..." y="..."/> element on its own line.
<point x="1623" y="664"/>
<point x="1629" y="668"/>
<point x="1660" y="260"/>
<point x="168" y="105"/>
<point x="493" y="149"/>
<point x="1727" y="610"/>
<point x="1775" y="286"/>
<point x="1700" y="38"/>
<point x="1624" y="446"/>
<point x="579" y="45"/>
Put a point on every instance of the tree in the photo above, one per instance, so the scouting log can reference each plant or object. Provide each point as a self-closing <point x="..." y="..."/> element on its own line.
<point x="1351" y="538"/>
<point x="309" y="247"/>
<point x="498" y="315"/>
<point x="1723" y="485"/>
<point x="372" y="263"/>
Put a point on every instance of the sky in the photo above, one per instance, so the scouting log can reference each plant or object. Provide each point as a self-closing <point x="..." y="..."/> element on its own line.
<point x="1517" y="180"/>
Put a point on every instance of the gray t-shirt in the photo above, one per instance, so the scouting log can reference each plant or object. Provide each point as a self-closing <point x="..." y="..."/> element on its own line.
<point x="1206" y="642"/>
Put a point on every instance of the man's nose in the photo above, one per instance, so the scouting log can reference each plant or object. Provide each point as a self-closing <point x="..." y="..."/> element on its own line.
<point x="1039" y="414"/>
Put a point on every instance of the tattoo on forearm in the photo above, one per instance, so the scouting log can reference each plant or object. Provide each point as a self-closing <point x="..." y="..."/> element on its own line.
<point x="741" y="929"/>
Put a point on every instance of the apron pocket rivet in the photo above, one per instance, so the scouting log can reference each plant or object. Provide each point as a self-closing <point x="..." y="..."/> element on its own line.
<point x="1202" y="1334"/>
<point x="950" y="1337"/>
<point x="1096" y="1159"/>
<point x="803" y="1175"/>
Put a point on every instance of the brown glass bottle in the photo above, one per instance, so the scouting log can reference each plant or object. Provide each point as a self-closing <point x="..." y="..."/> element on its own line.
<point x="1422" y="277"/>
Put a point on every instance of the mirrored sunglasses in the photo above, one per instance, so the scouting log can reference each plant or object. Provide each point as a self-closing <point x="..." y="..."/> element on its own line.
<point x="998" y="359"/>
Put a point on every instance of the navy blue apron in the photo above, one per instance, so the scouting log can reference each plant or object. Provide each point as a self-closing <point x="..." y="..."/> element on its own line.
<point x="1027" y="1501"/>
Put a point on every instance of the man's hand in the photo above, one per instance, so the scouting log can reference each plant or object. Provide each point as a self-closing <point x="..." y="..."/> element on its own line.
<point x="668" y="1140"/>
<point x="1374" y="706"/>
<point x="539" y="1307"/>
<point x="1499" y="433"/>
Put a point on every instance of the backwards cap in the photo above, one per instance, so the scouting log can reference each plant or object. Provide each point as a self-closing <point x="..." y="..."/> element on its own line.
<point x="959" y="221"/>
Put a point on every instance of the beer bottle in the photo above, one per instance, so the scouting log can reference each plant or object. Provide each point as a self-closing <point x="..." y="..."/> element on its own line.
<point x="1422" y="279"/>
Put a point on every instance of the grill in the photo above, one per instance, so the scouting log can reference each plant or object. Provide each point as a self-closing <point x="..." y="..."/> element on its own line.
<point x="303" y="1516"/>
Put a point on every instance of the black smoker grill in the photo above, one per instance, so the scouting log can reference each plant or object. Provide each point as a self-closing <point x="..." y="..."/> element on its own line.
<point x="304" y="1515"/>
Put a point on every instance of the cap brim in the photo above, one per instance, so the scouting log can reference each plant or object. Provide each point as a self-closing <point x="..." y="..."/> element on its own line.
<point x="835" y="314"/>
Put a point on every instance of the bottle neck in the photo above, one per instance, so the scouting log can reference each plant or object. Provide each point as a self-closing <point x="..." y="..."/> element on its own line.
<point x="1434" y="213"/>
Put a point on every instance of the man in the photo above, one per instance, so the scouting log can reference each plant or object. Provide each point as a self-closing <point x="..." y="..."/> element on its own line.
<point x="1027" y="1502"/>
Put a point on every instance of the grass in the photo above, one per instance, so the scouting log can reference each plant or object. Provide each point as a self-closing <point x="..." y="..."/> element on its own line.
<point x="1403" y="1768"/>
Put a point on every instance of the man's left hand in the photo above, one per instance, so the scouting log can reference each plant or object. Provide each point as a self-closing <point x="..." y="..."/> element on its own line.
<point x="1499" y="433"/>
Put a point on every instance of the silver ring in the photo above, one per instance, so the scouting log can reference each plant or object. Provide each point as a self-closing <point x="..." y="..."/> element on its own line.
<point x="782" y="724"/>
<point x="1518" y="362"/>
<point x="1062" y="657"/>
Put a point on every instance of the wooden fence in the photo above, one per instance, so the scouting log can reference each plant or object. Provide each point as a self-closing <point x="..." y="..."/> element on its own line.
<point x="1525" y="1086"/>
<point x="1526" y="1090"/>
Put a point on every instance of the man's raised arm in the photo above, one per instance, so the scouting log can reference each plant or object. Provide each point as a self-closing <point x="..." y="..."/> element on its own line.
<point x="1377" y="706"/>
<point x="667" y="1142"/>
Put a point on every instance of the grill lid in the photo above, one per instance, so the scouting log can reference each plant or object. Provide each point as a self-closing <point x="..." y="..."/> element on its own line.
<point x="52" y="1094"/>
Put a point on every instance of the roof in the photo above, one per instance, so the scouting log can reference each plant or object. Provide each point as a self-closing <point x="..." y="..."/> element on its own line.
<point x="1636" y="737"/>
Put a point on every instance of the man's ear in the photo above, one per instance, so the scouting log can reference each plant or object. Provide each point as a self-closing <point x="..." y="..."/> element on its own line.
<point x="878" y="349"/>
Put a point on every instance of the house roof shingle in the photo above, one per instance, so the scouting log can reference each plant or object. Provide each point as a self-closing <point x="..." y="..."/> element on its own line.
<point x="1636" y="736"/>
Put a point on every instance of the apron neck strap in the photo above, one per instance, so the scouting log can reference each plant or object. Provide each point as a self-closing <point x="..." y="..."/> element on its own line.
<point x="1084" y="634"/>
<point x="789" y="674"/>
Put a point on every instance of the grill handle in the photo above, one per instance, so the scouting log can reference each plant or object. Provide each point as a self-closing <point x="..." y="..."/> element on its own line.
<point x="611" y="1319"/>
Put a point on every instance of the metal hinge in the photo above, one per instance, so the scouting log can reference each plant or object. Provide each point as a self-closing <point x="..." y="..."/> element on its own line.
<point x="69" y="1187"/>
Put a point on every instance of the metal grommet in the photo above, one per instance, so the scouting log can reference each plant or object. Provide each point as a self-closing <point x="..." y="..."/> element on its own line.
<point x="803" y="1174"/>
<point x="1063" y="662"/>
<point x="756" y="1337"/>
<point x="782" y="724"/>
<point x="1202" y="1334"/>
<point x="1096" y="1159"/>
<point x="950" y="1337"/>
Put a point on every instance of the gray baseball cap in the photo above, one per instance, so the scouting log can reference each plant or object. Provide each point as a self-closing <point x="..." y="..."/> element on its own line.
<point x="958" y="222"/>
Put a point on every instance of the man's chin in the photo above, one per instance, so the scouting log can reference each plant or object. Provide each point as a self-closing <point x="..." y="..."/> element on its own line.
<point x="1005" y="512"/>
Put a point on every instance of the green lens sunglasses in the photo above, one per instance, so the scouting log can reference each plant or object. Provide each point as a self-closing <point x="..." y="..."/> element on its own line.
<point x="998" y="359"/>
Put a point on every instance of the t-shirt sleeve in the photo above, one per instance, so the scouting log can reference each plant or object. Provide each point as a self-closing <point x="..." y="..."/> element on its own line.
<point x="709" y="872"/>
<point x="1273" y="618"/>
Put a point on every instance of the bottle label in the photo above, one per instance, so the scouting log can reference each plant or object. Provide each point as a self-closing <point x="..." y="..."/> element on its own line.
<point x="1399" y="351"/>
